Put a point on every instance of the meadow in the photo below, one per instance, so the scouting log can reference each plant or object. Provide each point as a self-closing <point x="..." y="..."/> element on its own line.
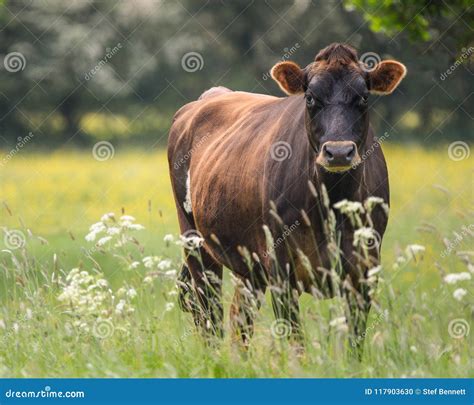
<point x="116" y="316"/>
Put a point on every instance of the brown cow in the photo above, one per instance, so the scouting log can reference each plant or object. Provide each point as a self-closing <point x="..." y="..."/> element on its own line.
<point x="246" y="168"/>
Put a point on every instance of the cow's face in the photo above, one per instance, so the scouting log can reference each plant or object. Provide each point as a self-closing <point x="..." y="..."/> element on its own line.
<point x="336" y="90"/>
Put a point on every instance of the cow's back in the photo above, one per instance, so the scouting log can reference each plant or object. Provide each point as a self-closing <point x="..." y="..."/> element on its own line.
<point x="222" y="141"/>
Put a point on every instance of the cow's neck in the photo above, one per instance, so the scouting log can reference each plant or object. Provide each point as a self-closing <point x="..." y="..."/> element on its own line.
<point x="340" y="186"/>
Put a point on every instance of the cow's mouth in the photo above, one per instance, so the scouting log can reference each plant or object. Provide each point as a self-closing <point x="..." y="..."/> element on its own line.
<point x="337" y="169"/>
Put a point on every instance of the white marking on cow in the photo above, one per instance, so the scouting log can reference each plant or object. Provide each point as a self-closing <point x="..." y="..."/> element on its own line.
<point x="187" y="202"/>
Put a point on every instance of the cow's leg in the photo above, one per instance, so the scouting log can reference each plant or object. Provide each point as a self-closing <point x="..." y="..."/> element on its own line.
<point x="200" y="283"/>
<point x="285" y="298"/>
<point x="356" y="292"/>
<point x="248" y="298"/>
<point x="205" y="300"/>
<point x="359" y="313"/>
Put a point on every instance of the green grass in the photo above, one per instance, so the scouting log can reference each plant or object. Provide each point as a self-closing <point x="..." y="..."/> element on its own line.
<point x="58" y="196"/>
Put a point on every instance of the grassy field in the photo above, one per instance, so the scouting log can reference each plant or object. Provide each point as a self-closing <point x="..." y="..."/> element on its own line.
<point x="116" y="315"/>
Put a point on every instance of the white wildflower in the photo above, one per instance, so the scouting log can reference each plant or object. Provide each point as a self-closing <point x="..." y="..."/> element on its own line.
<point x="148" y="261"/>
<point x="90" y="237"/>
<point x="459" y="294"/>
<point x="346" y="206"/>
<point x="338" y="321"/>
<point x="340" y="324"/>
<point x="102" y="241"/>
<point x="113" y="230"/>
<point x="136" y="227"/>
<point x="373" y="271"/>
<point x="102" y="283"/>
<point x="171" y="273"/>
<point x="134" y="265"/>
<point x="168" y="238"/>
<point x="97" y="227"/>
<point x="107" y="217"/>
<point x="413" y="251"/>
<point x="148" y="280"/>
<point x="164" y="264"/>
<point x="120" y="307"/>
<point x="453" y="278"/>
<point x="371" y="202"/>
<point x="191" y="242"/>
<point x="127" y="218"/>
<point x="169" y="306"/>
<point x="366" y="237"/>
<point x="131" y="293"/>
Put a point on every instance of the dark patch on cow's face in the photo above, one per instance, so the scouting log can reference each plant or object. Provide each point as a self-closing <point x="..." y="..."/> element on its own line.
<point x="337" y="115"/>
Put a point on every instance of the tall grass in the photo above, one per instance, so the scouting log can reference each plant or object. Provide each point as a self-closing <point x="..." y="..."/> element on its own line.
<point x="48" y="326"/>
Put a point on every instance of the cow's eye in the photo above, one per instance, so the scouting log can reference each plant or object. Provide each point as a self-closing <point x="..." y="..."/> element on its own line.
<point x="309" y="100"/>
<point x="364" y="100"/>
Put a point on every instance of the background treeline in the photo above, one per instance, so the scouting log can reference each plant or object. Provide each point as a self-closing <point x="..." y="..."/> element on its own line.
<point x="115" y="70"/>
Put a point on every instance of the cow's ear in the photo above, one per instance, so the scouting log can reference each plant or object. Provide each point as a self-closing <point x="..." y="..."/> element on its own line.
<point x="289" y="76"/>
<point x="386" y="76"/>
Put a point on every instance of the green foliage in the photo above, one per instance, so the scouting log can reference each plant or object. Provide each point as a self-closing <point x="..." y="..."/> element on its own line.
<point x="422" y="20"/>
<point x="120" y="64"/>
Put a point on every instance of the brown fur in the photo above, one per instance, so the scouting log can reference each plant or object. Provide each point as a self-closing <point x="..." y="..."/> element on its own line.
<point x="235" y="184"/>
<point x="289" y="76"/>
<point x="385" y="78"/>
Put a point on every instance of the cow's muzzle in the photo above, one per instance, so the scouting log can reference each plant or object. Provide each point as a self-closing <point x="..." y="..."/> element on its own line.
<point x="338" y="156"/>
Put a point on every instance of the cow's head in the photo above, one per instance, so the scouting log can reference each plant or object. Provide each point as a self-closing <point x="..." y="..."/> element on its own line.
<point x="336" y="89"/>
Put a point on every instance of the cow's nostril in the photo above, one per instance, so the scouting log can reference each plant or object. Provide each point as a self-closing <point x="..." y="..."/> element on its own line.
<point x="351" y="153"/>
<point x="329" y="156"/>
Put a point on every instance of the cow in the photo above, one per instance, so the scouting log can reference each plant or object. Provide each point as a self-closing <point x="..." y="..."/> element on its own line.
<point x="256" y="179"/>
